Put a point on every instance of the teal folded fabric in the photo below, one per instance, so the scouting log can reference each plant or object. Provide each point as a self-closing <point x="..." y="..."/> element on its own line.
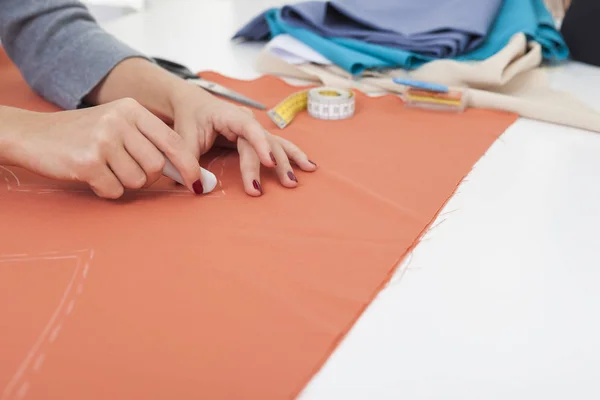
<point x="530" y="17"/>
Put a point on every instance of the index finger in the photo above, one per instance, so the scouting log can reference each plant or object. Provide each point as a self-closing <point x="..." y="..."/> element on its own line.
<point x="251" y="130"/>
<point x="250" y="168"/>
<point x="208" y="180"/>
<point x="173" y="147"/>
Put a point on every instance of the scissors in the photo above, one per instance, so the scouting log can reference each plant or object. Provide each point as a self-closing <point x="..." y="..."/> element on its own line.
<point x="186" y="73"/>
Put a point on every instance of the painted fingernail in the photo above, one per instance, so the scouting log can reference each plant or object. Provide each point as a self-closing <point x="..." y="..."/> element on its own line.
<point x="257" y="186"/>
<point x="291" y="175"/>
<point x="273" y="158"/>
<point x="312" y="163"/>
<point x="197" y="186"/>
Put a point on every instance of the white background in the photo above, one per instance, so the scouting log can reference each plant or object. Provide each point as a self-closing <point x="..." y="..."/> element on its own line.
<point x="499" y="301"/>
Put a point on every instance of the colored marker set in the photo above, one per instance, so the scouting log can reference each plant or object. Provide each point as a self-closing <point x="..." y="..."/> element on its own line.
<point x="432" y="96"/>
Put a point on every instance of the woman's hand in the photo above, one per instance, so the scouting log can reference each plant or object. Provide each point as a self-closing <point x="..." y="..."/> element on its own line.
<point x="250" y="164"/>
<point x="111" y="147"/>
<point x="204" y="122"/>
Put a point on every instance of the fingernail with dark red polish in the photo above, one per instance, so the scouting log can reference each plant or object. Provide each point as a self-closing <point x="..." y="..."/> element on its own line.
<point x="292" y="176"/>
<point x="257" y="186"/>
<point x="312" y="163"/>
<point x="197" y="186"/>
<point x="273" y="158"/>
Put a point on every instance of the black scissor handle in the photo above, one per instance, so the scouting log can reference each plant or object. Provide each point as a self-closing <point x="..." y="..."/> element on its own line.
<point x="175" y="68"/>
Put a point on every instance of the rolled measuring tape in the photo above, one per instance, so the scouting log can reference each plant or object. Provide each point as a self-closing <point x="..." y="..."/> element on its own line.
<point x="324" y="103"/>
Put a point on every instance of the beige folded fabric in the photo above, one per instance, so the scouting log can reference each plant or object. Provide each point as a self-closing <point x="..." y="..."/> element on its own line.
<point x="511" y="80"/>
<point x="558" y="8"/>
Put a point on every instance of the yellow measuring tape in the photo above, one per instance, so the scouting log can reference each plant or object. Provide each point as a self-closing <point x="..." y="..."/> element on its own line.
<point x="322" y="103"/>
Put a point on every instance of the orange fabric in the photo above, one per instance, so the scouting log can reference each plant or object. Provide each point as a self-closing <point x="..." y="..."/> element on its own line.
<point x="167" y="295"/>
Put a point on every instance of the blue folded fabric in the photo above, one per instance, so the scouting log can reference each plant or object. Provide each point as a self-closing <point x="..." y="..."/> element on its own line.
<point x="436" y="28"/>
<point x="530" y="17"/>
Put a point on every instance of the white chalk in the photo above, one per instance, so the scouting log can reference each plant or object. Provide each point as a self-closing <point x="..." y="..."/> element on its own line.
<point x="209" y="180"/>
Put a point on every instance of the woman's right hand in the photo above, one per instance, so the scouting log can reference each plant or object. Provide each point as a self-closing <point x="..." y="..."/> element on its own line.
<point x="112" y="147"/>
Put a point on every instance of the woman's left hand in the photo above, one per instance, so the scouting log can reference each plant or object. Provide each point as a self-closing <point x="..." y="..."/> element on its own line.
<point x="203" y="120"/>
<point x="206" y="121"/>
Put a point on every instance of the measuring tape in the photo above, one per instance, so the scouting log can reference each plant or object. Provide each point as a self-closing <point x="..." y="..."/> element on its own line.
<point x="322" y="103"/>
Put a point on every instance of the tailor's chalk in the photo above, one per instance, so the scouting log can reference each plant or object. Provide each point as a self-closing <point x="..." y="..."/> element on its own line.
<point x="431" y="87"/>
<point x="451" y="101"/>
<point x="450" y="95"/>
<point x="209" y="180"/>
<point x="423" y="100"/>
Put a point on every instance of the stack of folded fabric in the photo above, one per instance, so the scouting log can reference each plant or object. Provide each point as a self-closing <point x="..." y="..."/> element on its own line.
<point x="359" y="35"/>
<point x="496" y="50"/>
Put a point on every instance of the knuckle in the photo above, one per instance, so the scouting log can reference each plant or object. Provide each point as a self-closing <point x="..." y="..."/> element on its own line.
<point x="234" y="118"/>
<point x="88" y="162"/>
<point x="255" y="128"/>
<point x="111" y="119"/>
<point x="247" y="111"/>
<point x="174" y="139"/>
<point x="285" y="163"/>
<point x="127" y="105"/>
<point x="232" y="137"/>
<point x="106" y="140"/>
<point x="243" y="144"/>
<point x="137" y="182"/>
<point x="296" y="152"/>
<point x="250" y="166"/>
<point x="156" y="165"/>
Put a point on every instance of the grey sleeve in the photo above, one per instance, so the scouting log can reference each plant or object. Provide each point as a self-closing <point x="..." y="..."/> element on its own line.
<point x="59" y="48"/>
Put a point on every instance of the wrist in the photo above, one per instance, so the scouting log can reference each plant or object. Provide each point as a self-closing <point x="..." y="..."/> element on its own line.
<point x="9" y="142"/>
<point x="156" y="89"/>
<point x="139" y="79"/>
<point x="183" y="93"/>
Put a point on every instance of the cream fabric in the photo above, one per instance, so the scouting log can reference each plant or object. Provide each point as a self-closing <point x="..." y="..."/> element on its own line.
<point x="558" y="8"/>
<point x="511" y="80"/>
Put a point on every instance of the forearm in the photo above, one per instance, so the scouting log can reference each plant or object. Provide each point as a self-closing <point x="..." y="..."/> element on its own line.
<point x="153" y="87"/>
<point x="9" y="132"/>
<point x="59" y="48"/>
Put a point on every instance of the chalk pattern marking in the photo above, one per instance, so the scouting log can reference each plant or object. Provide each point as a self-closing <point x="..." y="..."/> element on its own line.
<point x="19" y="385"/>
<point x="49" y="188"/>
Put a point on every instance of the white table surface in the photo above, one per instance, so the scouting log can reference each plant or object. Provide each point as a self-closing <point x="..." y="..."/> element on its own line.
<point x="502" y="299"/>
